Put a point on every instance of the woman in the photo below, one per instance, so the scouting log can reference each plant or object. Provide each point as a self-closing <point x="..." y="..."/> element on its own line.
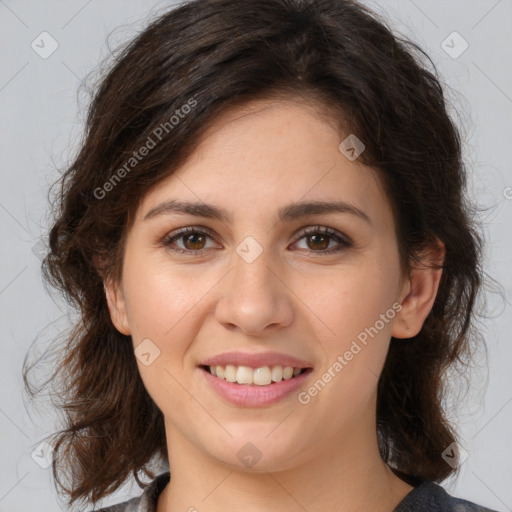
<point x="267" y="235"/>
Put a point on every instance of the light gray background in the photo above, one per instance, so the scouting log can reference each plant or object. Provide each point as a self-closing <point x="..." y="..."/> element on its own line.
<point x="41" y="126"/>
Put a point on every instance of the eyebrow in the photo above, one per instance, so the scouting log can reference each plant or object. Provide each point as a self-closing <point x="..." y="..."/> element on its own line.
<point x="287" y="213"/>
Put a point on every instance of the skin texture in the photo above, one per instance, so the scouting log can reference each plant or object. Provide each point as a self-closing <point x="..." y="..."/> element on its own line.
<point x="320" y="456"/>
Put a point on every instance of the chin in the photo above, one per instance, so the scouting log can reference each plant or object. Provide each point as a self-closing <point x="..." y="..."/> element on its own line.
<point x="254" y="450"/>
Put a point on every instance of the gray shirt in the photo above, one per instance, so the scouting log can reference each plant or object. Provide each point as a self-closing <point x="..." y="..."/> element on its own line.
<point x="426" y="497"/>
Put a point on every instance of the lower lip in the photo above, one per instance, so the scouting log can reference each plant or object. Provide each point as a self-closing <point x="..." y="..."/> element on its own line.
<point x="255" y="396"/>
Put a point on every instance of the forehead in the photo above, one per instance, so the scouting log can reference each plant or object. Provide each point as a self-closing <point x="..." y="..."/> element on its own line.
<point x="259" y="157"/>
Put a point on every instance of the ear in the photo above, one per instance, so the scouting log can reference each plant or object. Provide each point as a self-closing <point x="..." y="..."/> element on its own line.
<point x="419" y="292"/>
<point x="117" y="306"/>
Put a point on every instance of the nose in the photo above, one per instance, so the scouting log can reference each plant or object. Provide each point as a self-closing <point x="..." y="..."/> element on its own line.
<point x="255" y="297"/>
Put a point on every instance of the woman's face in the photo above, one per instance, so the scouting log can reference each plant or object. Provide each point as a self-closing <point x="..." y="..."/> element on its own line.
<point x="254" y="282"/>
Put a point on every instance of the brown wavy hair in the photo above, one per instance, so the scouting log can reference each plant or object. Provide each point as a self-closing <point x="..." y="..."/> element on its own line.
<point x="215" y="54"/>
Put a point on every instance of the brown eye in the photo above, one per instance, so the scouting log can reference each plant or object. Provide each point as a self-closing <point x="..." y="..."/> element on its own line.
<point x="319" y="238"/>
<point x="194" y="241"/>
<point x="190" y="241"/>
<point x="318" y="241"/>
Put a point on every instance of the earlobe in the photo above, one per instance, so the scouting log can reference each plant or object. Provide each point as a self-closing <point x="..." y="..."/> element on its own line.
<point x="420" y="292"/>
<point x="117" y="307"/>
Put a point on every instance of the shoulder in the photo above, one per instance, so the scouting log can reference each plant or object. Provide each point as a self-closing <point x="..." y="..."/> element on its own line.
<point x="430" y="497"/>
<point x="146" y="502"/>
<point x="133" y="505"/>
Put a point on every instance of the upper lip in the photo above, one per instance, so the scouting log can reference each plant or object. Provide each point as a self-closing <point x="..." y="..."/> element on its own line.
<point x="256" y="360"/>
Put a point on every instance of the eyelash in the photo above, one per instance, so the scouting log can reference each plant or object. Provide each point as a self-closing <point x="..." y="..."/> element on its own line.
<point x="323" y="230"/>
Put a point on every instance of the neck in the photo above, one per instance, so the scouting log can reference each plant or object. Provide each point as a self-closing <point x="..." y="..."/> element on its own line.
<point x="351" y="477"/>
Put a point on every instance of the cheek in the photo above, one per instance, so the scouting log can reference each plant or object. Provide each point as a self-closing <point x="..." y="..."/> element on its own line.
<point x="356" y="313"/>
<point x="354" y="347"/>
<point x="160" y="297"/>
<point x="356" y="300"/>
<point x="161" y="308"/>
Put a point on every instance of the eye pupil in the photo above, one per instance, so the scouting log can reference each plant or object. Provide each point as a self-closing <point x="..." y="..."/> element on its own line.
<point x="316" y="238"/>
<point x="195" y="235"/>
<point x="194" y="241"/>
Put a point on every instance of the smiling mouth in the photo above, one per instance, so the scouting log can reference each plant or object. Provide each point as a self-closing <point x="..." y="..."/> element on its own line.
<point x="263" y="376"/>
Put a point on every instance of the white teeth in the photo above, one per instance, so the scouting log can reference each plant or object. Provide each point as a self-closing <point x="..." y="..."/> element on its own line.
<point x="230" y="374"/>
<point x="277" y="373"/>
<point x="244" y="375"/>
<point x="287" y="372"/>
<point x="262" y="376"/>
